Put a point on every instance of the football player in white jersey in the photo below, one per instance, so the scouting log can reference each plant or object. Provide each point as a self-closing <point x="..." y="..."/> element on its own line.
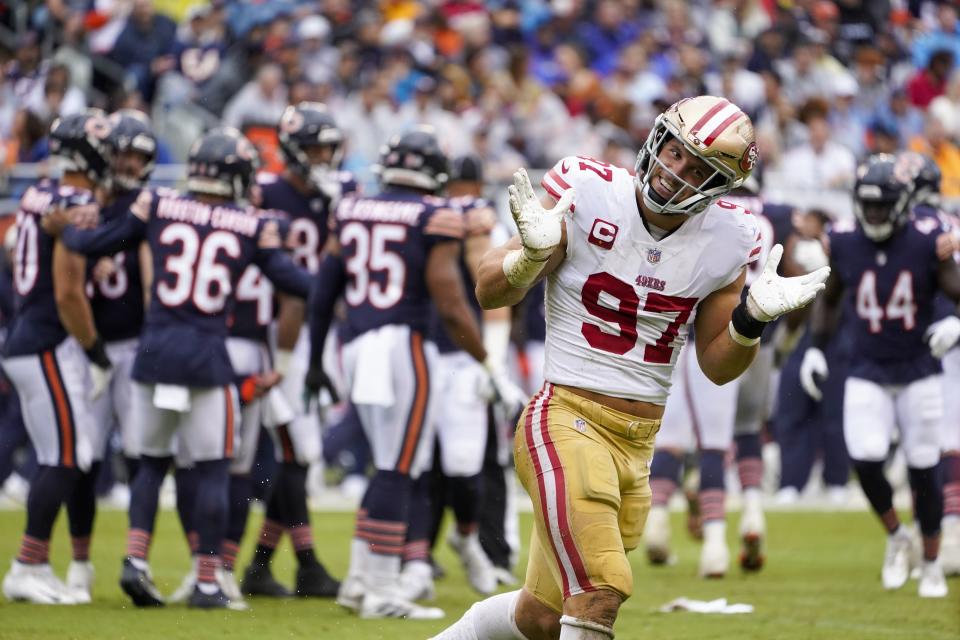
<point x="638" y="260"/>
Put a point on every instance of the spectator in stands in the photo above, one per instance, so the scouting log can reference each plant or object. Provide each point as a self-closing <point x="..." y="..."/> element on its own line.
<point x="29" y="138"/>
<point x="945" y="36"/>
<point x="57" y="97"/>
<point x="937" y="144"/>
<point x="28" y="67"/>
<point x="821" y="164"/>
<point x="883" y="137"/>
<point x="907" y="118"/>
<point x="947" y="106"/>
<point x="930" y="82"/>
<point x="261" y="101"/>
<point x="145" y="46"/>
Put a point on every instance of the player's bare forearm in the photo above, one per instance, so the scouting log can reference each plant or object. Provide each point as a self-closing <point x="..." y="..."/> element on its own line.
<point x="73" y="307"/>
<point x="446" y="290"/>
<point x="948" y="279"/>
<point x="494" y="290"/>
<point x="289" y="321"/>
<point x="721" y="358"/>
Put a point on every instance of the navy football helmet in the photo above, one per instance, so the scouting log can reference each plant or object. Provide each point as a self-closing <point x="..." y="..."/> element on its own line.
<point x="882" y="196"/>
<point x="415" y="160"/>
<point x="131" y="131"/>
<point x="222" y="163"/>
<point x="926" y="177"/>
<point x="82" y="142"/>
<point x="306" y="126"/>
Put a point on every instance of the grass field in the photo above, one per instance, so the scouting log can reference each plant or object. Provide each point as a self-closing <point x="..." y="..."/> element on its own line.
<point x="821" y="581"/>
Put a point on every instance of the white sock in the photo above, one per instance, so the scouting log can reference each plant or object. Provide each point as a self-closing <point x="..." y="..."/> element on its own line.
<point x="358" y="556"/>
<point x="490" y="619"/>
<point x="576" y="629"/>
<point x="382" y="572"/>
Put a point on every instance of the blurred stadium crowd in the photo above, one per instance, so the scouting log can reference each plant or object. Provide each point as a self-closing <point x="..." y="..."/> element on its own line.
<point x="520" y="82"/>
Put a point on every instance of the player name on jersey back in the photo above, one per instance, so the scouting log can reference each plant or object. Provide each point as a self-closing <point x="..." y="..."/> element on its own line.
<point x="227" y="218"/>
<point x="619" y="307"/>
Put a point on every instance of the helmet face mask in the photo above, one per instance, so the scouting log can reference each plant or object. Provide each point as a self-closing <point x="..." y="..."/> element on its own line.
<point x="710" y="129"/>
<point x="135" y="149"/>
<point x="882" y="196"/>
<point x="311" y="142"/>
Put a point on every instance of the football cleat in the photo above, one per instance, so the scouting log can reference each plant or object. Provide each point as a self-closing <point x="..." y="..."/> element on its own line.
<point x="714" y="555"/>
<point x="182" y="593"/>
<point x="657" y="536"/>
<point x="80" y="581"/>
<point x="259" y="581"/>
<point x="505" y="576"/>
<point x="480" y="571"/>
<point x="950" y="546"/>
<point x="389" y="604"/>
<point x="136" y="582"/>
<point x="35" y="583"/>
<point x="416" y="581"/>
<point x="228" y="582"/>
<point x="351" y="593"/>
<point x="208" y="596"/>
<point x="896" y="560"/>
<point x="315" y="582"/>
<point x="753" y="528"/>
<point x="933" y="584"/>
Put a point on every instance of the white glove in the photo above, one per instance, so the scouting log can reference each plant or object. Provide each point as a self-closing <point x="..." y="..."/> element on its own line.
<point x="100" y="380"/>
<point x="771" y="296"/>
<point x="539" y="229"/>
<point x="814" y="364"/>
<point x="942" y="335"/>
<point x="501" y="390"/>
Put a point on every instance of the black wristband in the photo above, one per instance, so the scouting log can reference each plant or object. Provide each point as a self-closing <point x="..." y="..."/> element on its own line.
<point x="746" y="325"/>
<point x="97" y="354"/>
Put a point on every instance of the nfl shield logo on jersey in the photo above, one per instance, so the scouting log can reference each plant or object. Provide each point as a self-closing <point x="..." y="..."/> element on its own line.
<point x="653" y="256"/>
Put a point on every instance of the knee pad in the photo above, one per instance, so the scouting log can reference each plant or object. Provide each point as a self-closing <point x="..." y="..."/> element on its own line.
<point x="928" y="498"/>
<point x="584" y="629"/>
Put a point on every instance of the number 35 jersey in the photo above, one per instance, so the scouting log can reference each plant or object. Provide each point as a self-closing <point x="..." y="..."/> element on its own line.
<point x="385" y="241"/>
<point x="889" y="289"/>
<point x="619" y="307"/>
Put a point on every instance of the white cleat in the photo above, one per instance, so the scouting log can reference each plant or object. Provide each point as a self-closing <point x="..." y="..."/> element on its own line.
<point x="391" y="605"/>
<point x="416" y="581"/>
<point x="187" y="585"/>
<point x="505" y="577"/>
<point x="35" y="583"/>
<point x="480" y="571"/>
<point x="714" y="556"/>
<point x="896" y="559"/>
<point x="950" y="546"/>
<point x="230" y="588"/>
<point x="17" y="488"/>
<point x="351" y="593"/>
<point x="753" y="529"/>
<point x="656" y="535"/>
<point x="80" y="581"/>
<point x="933" y="584"/>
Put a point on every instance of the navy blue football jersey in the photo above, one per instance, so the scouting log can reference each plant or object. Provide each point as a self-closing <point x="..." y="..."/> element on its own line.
<point x="36" y="325"/>
<point x="117" y="301"/>
<point x="384" y="242"/>
<point x="479" y="218"/>
<point x="199" y="251"/>
<point x="255" y="307"/>
<point x="535" y="314"/>
<point x="309" y="215"/>
<point x="889" y="299"/>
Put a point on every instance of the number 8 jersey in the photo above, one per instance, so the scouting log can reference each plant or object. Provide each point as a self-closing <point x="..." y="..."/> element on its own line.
<point x="619" y="307"/>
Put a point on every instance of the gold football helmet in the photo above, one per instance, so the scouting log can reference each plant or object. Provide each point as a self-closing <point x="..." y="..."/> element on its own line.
<point x="712" y="129"/>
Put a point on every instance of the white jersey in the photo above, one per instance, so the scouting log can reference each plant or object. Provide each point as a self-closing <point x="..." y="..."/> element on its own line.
<point x="619" y="307"/>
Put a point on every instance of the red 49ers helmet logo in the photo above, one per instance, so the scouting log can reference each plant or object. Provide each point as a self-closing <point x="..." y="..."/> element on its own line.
<point x="749" y="158"/>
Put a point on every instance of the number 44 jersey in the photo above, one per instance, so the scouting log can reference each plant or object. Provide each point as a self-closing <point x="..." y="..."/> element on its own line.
<point x="620" y="305"/>
<point x="890" y="289"/>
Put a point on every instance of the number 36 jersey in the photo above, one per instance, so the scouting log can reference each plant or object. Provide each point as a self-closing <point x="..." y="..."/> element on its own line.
<point x="619" y="307"/>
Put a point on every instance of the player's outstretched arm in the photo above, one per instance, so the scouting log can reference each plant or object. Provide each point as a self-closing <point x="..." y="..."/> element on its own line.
<point x="327" y="287"/>
<point x="944" y="334"/>
<point x="721" y="358"/>
<point x="446" y="289"/>
<point x="507" y="273"/>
